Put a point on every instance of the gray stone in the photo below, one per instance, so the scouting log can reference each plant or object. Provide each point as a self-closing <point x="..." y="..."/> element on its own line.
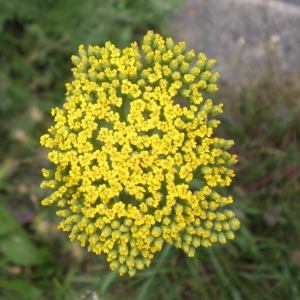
<point x="247" y="37"/>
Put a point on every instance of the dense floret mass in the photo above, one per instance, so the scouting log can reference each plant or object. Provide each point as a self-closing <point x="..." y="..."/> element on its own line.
<point x="134" y="169"/>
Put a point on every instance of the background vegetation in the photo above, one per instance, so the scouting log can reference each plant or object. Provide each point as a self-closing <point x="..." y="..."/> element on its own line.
<point x="37" y="261"/>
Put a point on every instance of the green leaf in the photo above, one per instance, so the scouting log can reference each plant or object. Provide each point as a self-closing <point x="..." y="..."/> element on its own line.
<point x="108" y="280"/>
<point x="15" y="243"/>
<point x="19" y="250"/>
<point x="7" y="223"/>
<point x="21" y="290"/>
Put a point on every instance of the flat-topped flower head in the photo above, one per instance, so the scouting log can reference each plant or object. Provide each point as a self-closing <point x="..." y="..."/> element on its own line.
<point x="133" y="169"/>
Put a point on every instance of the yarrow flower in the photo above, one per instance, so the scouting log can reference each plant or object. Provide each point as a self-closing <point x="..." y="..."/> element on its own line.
<point x="135" y="170"/>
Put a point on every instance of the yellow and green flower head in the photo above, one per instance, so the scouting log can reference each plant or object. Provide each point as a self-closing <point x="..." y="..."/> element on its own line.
<point x="133" y="169"/>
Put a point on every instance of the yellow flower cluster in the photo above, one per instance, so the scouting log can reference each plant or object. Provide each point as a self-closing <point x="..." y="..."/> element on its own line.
<point x="133" y="169"/>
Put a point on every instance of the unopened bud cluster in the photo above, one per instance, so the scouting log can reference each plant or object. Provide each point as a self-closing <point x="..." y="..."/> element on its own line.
<point x="133" y="169"/>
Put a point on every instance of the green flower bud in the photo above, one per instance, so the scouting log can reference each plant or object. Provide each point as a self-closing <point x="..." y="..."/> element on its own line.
<point x="114" y="264"/>
<point x="213" y="123"/>
<point x="75" y="229"/>
<point x="211" y="88"/>
<point x="134" y="252"/>
<point x="177" y="50"/>
<point x="217" y="226"/>
<point x="85" y="62"/>
<point x="214" y="78"/>
<point x="185" y="247"/>
<point x="139" y="264"/>
<point x="215" y="110"/>
<point x="188" y="78"/>
<point x="174" y="65"/>
<point x="210" y="64"/>
<point x="138" y="65"/>
<point x="167" y="72"/>
<point x="146" y="261"/>
<point x="94" y="239"/>
<point x="222" y="238"/>
<point x="145" y="253"/>
<point x="190" y="229"/>
<point x="157" y="59"/>
<point x="63" y="213"/>
<point x="132" y="242"/>
<point x="106" y="64"/>
<point x="205" y="243"/>
<point x="166" y="220"/>
<point x="234" y="224"/>
<point x="141" y="82"/>
<point x="132" y="272"/>
<point x="229" y="214"/>
<point x="170" y="44"/>
<point x="196" y="241"/>
<point x="62" y="202"/>
<point x="184" y="68"/>
<point x="124" y="228"/>
<point x="159" y="242"/>
<point x="202" y="85"/>
<point x="176" y="75"/>
<point x="123" y="250"/>
<point x="156" y="231"/>
<point x="220" y="216"/>
<point x="189" y="56"/>
<point x="204" y="169"/>
<point x="230" y="162"/>
<point x="67" y="227"/>
<point x="122" y="258"/>
<point x="102" y="77"/>
<point x="128" y="222"/>
<point x="82" y="238"/>
<point x="148" y="39"/>
<point x="81" y="51"/>
<point x="162" y="49"/>
<point x="205" y="75"/>
<point x="200" y="231"/>
<point x="195" y="71"/>
<point x="197" y="222"/>
<point x="229" y="234"/>
<point x="188" y="238"/>
<point x="93" y="76"/>
<point x="180" y="58"/>
<point x="225" y="225"/>
<point x="106" y="231"/>
<point x="196" y="99"/>
<point x="191" y="252"/>
<point x="73" y="236"/>
<point x="228" y="144"/>
<point x="115" y="224"/>
<point x="130" y="262"/>
<point x="122" y="270"/>
<point x="210" y="215"/>
<point x="75" y="59"/>
<point x="150" y="238"/>
<point x="213" y="237"/>
<point x="208" y="224"/>
<point x="155" y="44"/>
<point x="185" y="93"/>
<point x="182" y="45"/>
<point x="212" y="206"/>
<point x="90" y="229"/>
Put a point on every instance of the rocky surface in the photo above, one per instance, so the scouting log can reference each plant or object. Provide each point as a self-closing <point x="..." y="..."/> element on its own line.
<point x="247" y="37"/>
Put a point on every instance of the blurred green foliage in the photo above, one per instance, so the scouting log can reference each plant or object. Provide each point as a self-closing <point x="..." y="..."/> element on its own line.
<point x="37" y="39"/>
